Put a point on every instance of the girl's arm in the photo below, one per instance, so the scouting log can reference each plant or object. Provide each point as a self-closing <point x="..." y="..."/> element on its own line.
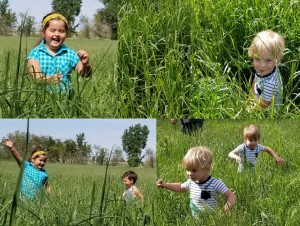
<point x="83" y="67"/>
<point x="10" y="145"/>
<point x="234" y="155"/>
<point x="279" y="161"/>
<point x="35" y="71"/>
<point x="231" y="199"/>
<point x="47" y="186"/>
<point x="170" y="186"/>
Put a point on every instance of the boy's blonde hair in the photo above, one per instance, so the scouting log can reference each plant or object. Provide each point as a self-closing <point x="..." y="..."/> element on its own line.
<point x="251" y="131"/>
<point x="269" y="40"/>
<point x="198" y="156"/>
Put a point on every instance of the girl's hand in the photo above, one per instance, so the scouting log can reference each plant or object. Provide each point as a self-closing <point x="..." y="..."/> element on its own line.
<point x="55" y="79"/>
<point x="84" y="57"/>
<point x="8" y="143"/>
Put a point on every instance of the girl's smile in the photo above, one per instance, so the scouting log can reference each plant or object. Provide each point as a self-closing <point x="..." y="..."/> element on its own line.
<point x="55" y="35"/>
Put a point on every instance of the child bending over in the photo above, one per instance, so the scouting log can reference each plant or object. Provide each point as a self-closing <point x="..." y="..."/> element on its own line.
<point x="245" y="154"/>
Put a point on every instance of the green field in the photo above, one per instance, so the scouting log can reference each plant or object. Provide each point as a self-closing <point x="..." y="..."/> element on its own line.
<point x="21" y="96"/>
<point x="269" y="196"/>
<point x="188" y="58"/>
<point x="73" y="200"/>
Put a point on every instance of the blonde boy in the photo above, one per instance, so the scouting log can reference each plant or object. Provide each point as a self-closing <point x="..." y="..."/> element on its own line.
<point x="203" y="188"/>
<point x="248" y="151"/>
<point x="266" y="51"/>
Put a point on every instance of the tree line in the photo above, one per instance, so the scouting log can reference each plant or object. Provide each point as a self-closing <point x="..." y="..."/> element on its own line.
<point x="79" y="151"/>
<point x="104" y="23"/>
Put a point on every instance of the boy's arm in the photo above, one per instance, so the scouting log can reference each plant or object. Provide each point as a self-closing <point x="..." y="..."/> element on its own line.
<point x="234" y="155"/>
<point x="279" y="161"/>
<point x="10" y="145"/>
<point x="139" y="194"/>
<point x="47" y="186"/>
<point x="231" y="199"/>
<point x="170" y="186"/>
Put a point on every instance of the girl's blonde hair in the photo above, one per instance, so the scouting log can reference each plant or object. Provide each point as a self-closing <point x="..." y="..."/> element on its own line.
<point x="198" y="156"/>
<point x="269" y="40"/>
<point x="252" y="131"/>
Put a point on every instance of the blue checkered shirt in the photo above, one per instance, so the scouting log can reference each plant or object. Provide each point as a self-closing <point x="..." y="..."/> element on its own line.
<point x="63" y="62"/>
<point x="33" y="180"/>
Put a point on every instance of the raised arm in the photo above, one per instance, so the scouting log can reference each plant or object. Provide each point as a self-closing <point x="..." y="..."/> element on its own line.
<point x="10" y="145"/>
<point x="170" y="186"/>
<point x="278" y="160"/>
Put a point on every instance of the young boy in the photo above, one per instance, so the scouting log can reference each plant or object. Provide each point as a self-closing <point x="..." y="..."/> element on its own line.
<point x="203" y="188"/>
<point x="266" y="51"/>
<point x="247" y="152"/>
<point x="131" y="192"/>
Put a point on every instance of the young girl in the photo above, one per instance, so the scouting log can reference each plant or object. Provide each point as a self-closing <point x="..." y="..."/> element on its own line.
<point x="53" y="61"/>
<point x="35" y="176"/>
<point x="202" y="186"/>
<point x="131" y="192"/>
<point x="266" y="51"/>
<point x="245" y="154"/>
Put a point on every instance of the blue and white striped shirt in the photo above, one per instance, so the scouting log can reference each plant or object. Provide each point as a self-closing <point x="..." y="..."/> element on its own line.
<point x="212" y="186"/>
<point x="268" y="86"/>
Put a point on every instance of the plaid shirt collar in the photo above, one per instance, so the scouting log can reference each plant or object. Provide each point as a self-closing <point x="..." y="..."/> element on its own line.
<point x="42" y="47"/>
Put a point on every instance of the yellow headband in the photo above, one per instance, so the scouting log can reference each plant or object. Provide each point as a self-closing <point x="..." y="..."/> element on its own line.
<point x="54" y="16"/>
<point x="38" y="153"/>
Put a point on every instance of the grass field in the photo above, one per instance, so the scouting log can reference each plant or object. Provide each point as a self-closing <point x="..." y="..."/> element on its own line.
<point x="266" y="197"/>
<point x="78" y="196"/>
<point x="21" y="96"/>
<point x="188" y="58"/>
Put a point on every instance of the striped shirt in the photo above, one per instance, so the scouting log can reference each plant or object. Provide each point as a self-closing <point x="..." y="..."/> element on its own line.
<point x="33" y="180"/>
<point x="63" y="62"/>
<point x="249" y="154"/>
<point x="204" y="195"/>
<point x="268" y="86"/>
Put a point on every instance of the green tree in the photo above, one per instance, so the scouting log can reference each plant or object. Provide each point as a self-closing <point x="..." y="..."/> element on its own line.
<point x="101" y="154"/>
<point x="70" y="9"/>
<point x="28" y="24"/>
<point x="134" y="140"/>
<point x="109" y="15"/>
<point x="8" y="19"/>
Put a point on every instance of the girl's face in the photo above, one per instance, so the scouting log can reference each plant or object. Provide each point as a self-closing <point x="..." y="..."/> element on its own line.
<point x="251" y="143"/>
<point x="198" y="174"/>
<point x="55" y="34"/>
<point x="127" y="182"/>
<point x="264" y="62"/>
<point x="39" y="162"/>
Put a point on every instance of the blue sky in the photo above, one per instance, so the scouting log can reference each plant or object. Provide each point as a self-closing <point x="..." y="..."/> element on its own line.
<point x="39" y="8"/>
<point x="104" y="132"/>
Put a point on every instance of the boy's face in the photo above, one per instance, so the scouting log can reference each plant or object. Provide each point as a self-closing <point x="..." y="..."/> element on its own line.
<point x="39" y="162"/>
<point x="263" y="62"/>
<point x="127" y="182"/>
<point x="55" y="34"/>
<point x="198" y="174"/>
<point x="251" y="143"/>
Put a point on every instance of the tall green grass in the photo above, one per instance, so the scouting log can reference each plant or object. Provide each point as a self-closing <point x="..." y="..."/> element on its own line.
<point x="266" y="197"/>
<point x="21" y="96"/>
<point x="189" y="57"/>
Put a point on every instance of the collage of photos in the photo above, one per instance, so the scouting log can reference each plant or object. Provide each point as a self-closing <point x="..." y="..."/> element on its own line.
<point x="149" y="113"/>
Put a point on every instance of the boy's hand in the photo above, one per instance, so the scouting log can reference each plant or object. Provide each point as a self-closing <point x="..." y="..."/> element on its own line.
<point x="238" y="159"/>
<point x="84" y="57"/>
<point x="8" y="143"/>
<point x="160" y="183"/>
<point x="279" y="161"/>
